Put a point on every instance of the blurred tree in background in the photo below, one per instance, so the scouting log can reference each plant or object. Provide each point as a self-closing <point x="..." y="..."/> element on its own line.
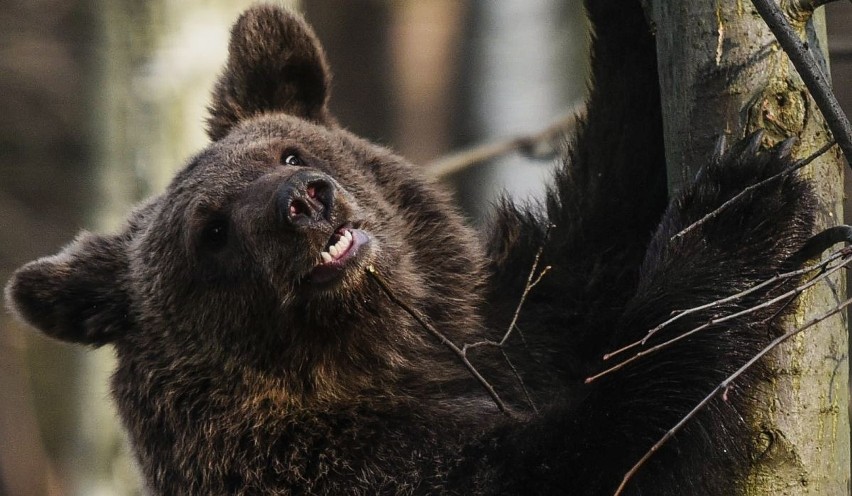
<point x="45" y="73"/>
<point x="102" y="101"/>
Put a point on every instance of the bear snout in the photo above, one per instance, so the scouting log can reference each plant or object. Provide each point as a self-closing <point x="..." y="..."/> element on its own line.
<point x="305" y="199"/>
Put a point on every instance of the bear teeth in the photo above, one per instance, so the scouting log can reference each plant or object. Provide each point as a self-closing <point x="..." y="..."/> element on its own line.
<point x="338" y="249"/>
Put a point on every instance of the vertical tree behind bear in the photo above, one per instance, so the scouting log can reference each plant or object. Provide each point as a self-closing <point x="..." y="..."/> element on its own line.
<point x="44" y="62"/>
<point x="721" y="70"/>
<point x="157" y="62"/>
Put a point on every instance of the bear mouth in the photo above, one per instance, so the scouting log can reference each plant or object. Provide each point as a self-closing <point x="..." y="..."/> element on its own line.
<point x="343" y="249"/>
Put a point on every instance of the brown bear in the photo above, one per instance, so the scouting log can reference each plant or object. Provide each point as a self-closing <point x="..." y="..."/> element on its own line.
<point x="257" y="354"/>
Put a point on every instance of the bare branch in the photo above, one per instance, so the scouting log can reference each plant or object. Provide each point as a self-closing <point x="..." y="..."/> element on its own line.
<point x="533" y="279"/>
<point x="816" y="82"/>
<point x="520" y="380"/>
<point x="723" y="386"/>
<point x="815" y="245"/>
<point x="371" y="271"/>
<point x="789" y="170"/>
<point x="792" y="294"/>
<point x="682" y="313"/>
<point x="530" y="284"/>
<point x="529" y="145"/>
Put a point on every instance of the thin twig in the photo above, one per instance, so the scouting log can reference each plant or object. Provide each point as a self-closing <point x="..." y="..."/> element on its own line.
<point x="532" y="282"/>
<point x="722" y="387"/>
<point x="371" y="271"/>
<point x="528" y="144"/>
<point x="715" y="213"/>
<point x="778" y="278"/>
<point x="520" y="380"/>
<point x="533" y="279"/>
<point x="810" y="72"/>
<point x="793" y="293"/>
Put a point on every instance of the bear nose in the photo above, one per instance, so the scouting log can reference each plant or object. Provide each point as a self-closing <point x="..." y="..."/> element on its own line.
<point x="305" y="198"/>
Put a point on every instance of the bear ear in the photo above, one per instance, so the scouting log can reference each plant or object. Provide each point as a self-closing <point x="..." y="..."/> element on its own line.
<point x="77" y="295"/>
<point x="275" y="64"/>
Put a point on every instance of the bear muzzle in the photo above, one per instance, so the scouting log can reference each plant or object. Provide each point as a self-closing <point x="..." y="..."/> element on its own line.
<point x="345" y="248"/>
<point x="305" y="199"/>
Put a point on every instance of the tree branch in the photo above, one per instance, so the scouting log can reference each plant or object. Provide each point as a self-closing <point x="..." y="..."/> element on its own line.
<point x="530" y="145"/>
<point x="723" y="386"/>
<point x="682" y="313"/>
<point x="816" y="244"/>
<point x="816" y="82"/>
<point x="371" y="271"/>
<point x="533" y="279"/>
<point x="789" y="295"/>
<point x="794" y="167"/>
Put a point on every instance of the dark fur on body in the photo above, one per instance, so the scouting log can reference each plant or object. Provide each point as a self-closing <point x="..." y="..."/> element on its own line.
<point x="238" y="375"/>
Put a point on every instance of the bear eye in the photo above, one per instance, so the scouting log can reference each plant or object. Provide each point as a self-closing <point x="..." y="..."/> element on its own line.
<point x="292" y="159"/>
<point x="214" y="235"/>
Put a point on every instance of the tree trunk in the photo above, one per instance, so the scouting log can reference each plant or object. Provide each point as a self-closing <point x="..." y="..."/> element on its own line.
<point x="44" y="64"/>
<point x="159" y="61"/>
<point x="721" y="71"/>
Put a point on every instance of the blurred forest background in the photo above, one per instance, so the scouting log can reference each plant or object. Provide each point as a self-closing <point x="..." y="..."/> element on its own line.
<point x="102" y="101"/>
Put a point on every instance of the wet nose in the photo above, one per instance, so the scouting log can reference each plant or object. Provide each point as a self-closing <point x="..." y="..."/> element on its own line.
<point x="305" y="198"/>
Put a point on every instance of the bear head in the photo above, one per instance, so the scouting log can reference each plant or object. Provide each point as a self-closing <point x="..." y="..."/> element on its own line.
<point x="255" y="256"/>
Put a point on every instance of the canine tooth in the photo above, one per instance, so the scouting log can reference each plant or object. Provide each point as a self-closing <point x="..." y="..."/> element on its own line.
<point x="326" y="257"/>
<point x="334" y="251"/>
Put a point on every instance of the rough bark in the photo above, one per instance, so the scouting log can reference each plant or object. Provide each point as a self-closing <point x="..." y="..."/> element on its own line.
<point x="722" y="72"/>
